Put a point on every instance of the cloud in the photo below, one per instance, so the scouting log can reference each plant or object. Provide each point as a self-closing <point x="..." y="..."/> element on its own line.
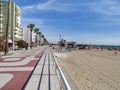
<point x="51" y="5"/>
<point x="107" y="21"/>
<point x="51" y="33"/>
<point x="53" y="39"/>
<point x="108" y="12"/>
<point x="36" y="21"/>
<point x="105" y="7"/>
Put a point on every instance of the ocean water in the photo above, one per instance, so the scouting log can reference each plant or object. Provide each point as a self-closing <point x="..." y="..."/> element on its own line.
<point x="108" y="46"/>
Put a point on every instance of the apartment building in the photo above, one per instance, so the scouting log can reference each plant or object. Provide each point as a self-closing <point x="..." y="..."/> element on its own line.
<point x="15" y="32"/>
<point x="1" y="20"/>
<point x="26" y="37"/>
<point x="26" y="34"/>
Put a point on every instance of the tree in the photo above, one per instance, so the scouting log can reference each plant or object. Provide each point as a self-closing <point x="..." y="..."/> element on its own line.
<point x="45" y="40"/>
<point x="21" y="44"/>
<point x="36" y="30"/>
<point x="42" y="36"/>
<point x="2" y="43"/>
<point x="31" y="26"/>
<point x="7" y="27"/>
<point x="39" y="33"/>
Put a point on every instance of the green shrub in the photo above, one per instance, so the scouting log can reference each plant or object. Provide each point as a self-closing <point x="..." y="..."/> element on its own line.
<point x="21" y="44"/>
<point x="2" y="43"/>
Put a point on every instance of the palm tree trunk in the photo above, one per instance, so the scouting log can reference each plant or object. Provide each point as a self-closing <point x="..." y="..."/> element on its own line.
<point x="39" y="40"/>
<point x="36" y="39"/>
<point x="7" y="27"/>
<point x="31" y="39"/>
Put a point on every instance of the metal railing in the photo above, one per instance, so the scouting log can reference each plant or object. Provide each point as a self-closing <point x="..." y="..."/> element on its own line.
<point x="63" y="81"/>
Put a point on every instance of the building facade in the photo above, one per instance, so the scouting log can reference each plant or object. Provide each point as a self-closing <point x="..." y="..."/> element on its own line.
<point x="1" y="19"/>
<point x="15" y="32"/>
<point x="26" y="35"/>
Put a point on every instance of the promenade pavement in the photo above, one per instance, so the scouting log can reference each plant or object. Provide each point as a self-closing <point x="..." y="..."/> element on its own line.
<point x="16" y="68"/>
<point x="44" y="76"/>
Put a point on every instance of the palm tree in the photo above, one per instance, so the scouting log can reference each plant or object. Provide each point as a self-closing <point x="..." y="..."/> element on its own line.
<point x="36" y="31"/>
<point x="39" y="33"/>
<point x="7" y="27"/>
<point x="43" y="38"/>
<point x="31" y="26"/>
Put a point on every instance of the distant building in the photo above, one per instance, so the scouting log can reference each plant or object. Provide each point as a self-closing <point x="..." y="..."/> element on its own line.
<point x="33" y="36"/>
<point x="15" y="32"/>
<point x="64" y="45"/>
<point x="26" y="35"/>
<point x="81" y="46"/>
<point x="71" y="44"/>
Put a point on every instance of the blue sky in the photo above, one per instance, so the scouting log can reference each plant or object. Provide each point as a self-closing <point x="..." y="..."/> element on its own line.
<point x="82" y="21"/>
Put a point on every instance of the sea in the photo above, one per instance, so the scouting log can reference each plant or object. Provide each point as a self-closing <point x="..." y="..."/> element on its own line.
<point x="107" y="46"/>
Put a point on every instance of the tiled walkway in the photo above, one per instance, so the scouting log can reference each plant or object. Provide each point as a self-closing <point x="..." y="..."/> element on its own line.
<point x="34" y="69"/>
<point x="44" y="76"/>
<point x="16" y="68"/>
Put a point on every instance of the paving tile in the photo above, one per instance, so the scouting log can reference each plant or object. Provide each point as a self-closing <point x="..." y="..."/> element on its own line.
<point x="17" y="67"/>
<point x="5" y="78"/>
<point x="17" y="82"/>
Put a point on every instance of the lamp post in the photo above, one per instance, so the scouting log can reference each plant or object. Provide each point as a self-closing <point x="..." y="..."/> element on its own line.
<point x="60" y="43"/>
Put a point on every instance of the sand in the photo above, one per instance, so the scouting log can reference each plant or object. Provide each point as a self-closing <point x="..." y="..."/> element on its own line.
<point x="93" y="69"/>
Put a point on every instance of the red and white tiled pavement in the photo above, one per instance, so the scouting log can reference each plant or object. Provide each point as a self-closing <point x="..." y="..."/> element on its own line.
<point x="16" y="68"/>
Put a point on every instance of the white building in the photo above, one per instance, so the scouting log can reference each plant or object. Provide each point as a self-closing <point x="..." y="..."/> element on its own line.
<point x="33" y="36"/>
<point x="26" y="35"/>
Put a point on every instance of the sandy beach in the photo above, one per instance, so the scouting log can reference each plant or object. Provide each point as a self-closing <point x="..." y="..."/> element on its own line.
<point x="93" y="69"/>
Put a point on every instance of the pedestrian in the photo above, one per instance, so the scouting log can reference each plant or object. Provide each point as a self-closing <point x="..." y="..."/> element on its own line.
<point x="115" y="52"/>
<point x="27" y="46"/>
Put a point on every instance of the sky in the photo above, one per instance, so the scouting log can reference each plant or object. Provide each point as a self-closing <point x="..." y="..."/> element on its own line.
<point x="82" y="21"/>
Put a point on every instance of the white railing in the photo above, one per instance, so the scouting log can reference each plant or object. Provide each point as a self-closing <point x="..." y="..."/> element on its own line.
<point x="63" y="81"/>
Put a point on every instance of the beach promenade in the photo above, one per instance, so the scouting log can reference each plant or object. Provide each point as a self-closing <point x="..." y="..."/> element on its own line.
<point x="33" y="69"/>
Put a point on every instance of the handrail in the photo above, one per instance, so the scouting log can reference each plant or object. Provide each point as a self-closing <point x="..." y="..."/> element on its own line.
<point x="65" y="82"/>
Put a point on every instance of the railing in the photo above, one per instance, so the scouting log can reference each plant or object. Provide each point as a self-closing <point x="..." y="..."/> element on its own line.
<point x="63" y="81"/>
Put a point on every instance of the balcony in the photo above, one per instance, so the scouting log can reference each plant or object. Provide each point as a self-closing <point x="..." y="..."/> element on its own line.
<point x="1" y="15"/>
<point x="0" y="21"/>
<point x="17" y="19"/>
<point x="16" y="28"/>
<point x="17" y="37"/>
<point x="1" y="26"/>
